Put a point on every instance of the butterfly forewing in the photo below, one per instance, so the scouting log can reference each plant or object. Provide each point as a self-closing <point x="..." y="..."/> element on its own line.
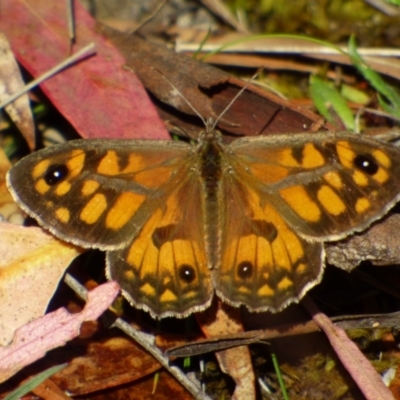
<point x="97" y="193"/>
<point x="324" y="185"/>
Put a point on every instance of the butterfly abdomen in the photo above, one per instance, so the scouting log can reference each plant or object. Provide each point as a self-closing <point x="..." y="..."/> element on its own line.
<point x="211" y="173"/>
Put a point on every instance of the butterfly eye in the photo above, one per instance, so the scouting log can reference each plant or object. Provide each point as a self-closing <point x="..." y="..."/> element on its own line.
<point x="245" y="270"/>
<point x="56" y="174"/>
<point x="187" y="273"/>
<point x="366" y="164"/>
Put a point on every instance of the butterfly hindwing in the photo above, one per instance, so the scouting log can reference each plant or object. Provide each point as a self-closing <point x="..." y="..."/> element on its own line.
<point x="164" y="270"/>
<point x="264" y="263"/>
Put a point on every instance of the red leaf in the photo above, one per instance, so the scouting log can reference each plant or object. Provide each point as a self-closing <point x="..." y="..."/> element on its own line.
<point x="97" y="95"/>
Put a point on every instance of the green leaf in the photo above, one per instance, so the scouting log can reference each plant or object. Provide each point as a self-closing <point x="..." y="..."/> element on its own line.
<point x="396" y="2"/>
<point x="327" y="98"/>
<point x="353" y="94"/>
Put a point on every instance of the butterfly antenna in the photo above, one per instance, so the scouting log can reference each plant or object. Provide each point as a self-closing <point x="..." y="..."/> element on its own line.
<point x="183" y="97"/>
<point x="236" y="96"/>
<point x="208" y="124"/>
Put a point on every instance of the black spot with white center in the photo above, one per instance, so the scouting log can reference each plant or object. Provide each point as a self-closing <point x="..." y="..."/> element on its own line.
<point x="366" y="164"/>
<point x="186" y="273"/>
<point x="245" y="270"/>
<point x="56" y="174"/>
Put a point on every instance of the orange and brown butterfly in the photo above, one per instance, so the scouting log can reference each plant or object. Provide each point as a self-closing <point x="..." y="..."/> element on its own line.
<point x="181" y="221"/>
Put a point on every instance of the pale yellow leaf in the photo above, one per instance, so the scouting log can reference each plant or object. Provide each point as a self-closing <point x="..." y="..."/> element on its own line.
<point x="32" y="263"/>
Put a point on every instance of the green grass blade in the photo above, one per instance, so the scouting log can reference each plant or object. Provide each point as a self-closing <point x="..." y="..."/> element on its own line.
<point x="376" y="81"/>
<point x="33" y="382"/>
<point x="279" y="375"/>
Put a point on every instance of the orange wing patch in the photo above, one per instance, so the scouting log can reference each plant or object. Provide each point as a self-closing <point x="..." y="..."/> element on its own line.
<point x="124" y="208"/>
<point x="141" y="168"/>
<point x="299" y="200"/>
<point x="93" y="209"/>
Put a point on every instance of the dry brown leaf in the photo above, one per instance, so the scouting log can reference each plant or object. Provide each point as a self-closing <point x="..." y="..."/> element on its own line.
<point x="105" y="364"/>
<point x="382" y="60"/>
<point x="235" y="362"/>
<point x="395" y="384"/>
<point x="165" y="388"/>
<point x="47" y="390"/>
<point x="379" y="245"/>
<point x="11" y="82"/>
<point x="8" y="209"/>
<point x="32" y="263"/>
<point x="254" y="112"/>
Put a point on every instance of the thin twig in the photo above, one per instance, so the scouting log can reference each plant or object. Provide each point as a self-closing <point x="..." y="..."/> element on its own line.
<point x="147" y="342"/>
<point x="148" y="18"/>
<point x="71" y="23"/>
<point x="86" y="51"/>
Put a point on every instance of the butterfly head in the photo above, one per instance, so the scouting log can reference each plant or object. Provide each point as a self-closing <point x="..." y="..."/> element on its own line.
<point x="210" y="133"/>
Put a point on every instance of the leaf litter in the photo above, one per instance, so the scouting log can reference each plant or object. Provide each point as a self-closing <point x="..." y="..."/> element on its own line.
<point x="122" y="121"/>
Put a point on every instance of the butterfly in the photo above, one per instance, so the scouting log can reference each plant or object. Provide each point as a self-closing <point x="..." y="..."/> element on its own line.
<point x="181" y="221"/>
